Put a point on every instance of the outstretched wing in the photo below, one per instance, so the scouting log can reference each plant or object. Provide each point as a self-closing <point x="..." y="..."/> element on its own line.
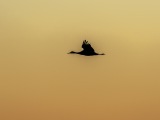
<point x="86" y="46"/>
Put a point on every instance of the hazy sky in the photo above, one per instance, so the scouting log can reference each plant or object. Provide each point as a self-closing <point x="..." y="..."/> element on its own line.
<point x="39" y="81"/>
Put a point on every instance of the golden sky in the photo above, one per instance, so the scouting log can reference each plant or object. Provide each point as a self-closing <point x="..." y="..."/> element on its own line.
<point x="40" y="81"/>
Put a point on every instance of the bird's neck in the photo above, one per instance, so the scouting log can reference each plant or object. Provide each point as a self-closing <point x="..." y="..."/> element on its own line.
<point x="73" y="52"/>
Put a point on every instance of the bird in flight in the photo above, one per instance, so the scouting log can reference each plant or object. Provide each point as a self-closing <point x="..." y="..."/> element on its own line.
<point x="87" y="50"/>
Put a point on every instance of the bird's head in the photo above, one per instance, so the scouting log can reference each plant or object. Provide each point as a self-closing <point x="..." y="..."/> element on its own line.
<point x="72" y="52"/>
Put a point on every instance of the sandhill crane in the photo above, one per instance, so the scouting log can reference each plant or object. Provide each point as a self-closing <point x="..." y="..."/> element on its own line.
<point x="87" y="50"/>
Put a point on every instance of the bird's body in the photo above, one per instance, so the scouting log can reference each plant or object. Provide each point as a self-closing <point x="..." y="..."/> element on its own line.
<point x="87" y="50"/>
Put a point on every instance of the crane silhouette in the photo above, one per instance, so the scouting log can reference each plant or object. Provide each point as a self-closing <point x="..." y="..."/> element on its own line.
<point x="87" y="50"/>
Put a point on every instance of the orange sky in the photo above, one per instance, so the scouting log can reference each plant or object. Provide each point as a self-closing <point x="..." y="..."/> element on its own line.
<point x="39" y="81"/>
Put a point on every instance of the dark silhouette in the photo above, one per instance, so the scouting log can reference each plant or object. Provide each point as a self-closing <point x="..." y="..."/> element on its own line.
<point x="87" y="50"/>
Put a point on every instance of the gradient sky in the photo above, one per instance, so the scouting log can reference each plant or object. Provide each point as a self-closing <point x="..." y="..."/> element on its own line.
<point x="39" y="81"/>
